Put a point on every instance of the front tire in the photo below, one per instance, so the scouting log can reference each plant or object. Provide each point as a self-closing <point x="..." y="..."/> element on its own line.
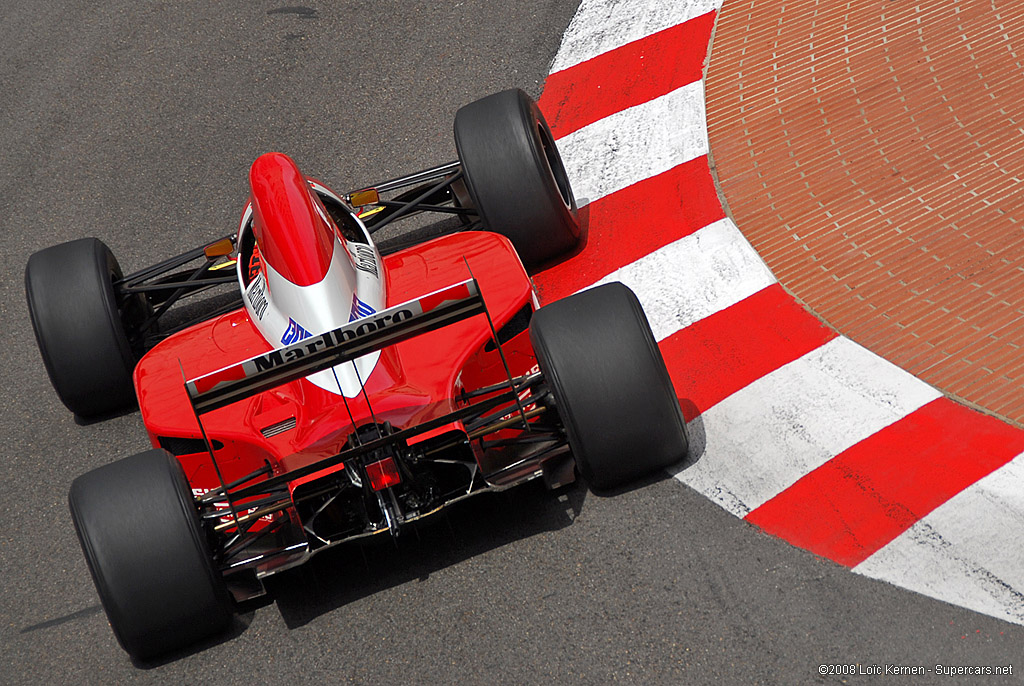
<point x="79" y="327"/>
<point x="148" y="555"/>
<point x="515" y="176"/>
<point x="610" y="385"/>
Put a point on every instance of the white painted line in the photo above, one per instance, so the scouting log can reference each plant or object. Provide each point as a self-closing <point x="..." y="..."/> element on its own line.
<point x="603" y="25"/>
<point x="763" y="438"/>
<point x="969" y="551"/>
<point x="694" y="277"/>
<point x="636" y="143"/>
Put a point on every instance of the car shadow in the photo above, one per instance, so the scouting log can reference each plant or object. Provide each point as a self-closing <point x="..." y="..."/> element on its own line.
<point x="341" y="575"/>
<point x="99" y="419"/>
<point x="238" y="626"/>
<point x="350" y="572"/>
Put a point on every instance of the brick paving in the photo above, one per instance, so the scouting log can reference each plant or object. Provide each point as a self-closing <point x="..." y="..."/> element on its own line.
<point x="873" y="153"/>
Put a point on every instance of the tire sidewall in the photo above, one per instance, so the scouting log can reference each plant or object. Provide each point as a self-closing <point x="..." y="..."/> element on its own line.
<point x="119" y="511"/>
<point x="514" y="184"/>
<point x="78" y="328"/>
<point x="611" y="388"/>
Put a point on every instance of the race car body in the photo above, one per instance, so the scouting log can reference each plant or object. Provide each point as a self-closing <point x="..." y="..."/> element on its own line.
<point x="302" y="276"/>
<point x="342" y="393"/>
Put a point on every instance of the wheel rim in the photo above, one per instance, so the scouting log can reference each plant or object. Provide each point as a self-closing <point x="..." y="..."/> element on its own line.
<point x="555" y="166"/>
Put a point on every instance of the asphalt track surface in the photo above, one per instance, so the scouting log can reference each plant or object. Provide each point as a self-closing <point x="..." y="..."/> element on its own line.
<point x="137" y="123"/>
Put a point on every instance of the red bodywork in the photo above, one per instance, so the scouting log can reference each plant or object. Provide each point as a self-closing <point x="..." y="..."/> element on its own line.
<point x="293" y="237"/>
<point x="416" y="379"/>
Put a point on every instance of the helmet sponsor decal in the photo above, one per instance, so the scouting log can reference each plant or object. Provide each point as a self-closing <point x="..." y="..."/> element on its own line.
<point x="359" y="309"/>
<point x="257" y="295"/>
<point x="364" y="258"/>
<point x="294" y="333"/>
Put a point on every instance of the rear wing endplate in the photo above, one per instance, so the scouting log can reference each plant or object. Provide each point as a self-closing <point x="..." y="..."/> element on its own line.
<point x="363" y="336"/>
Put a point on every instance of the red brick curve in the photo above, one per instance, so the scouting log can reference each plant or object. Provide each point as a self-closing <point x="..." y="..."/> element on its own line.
<point x="872" y="154"/>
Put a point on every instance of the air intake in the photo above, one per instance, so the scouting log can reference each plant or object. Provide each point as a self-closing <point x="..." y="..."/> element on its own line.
<point x="278" y="428"/>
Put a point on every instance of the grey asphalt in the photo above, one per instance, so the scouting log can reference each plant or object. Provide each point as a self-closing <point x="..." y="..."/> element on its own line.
<point x="136" y="123"/>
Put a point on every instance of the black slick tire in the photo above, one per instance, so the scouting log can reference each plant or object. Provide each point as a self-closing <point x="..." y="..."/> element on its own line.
<point x="148" y="555"/>
<point x="515" y="176"/>
<point x="79" y="328"/>
<point x="610" y="385"/>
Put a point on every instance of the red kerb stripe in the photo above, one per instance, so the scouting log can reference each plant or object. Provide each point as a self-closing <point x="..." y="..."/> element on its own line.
<point x="633" y="222"/>
<point x="627" y="76"/>
<point x="720" y="354"/>
<point x="862" y="499"/>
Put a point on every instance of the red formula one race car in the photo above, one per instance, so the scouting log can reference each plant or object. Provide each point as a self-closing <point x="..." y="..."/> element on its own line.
<point x="349" y="393"/>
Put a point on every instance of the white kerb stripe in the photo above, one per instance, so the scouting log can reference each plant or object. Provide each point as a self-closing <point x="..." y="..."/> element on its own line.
<point x="694" y="277"/>
<point x="766" y="436"/>
<point x="968" y="551"/>
<point x="603" y="25"/>
<point x="636" y="143"/>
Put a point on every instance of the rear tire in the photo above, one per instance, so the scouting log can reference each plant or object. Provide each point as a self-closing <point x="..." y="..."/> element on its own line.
<point x="515" y="176"/>
<point x="79" y="328"/>
<point x="610" y="385"/>
<point x="148" y="554"/>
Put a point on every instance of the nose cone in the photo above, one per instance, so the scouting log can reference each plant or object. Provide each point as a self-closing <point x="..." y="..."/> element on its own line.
<point x="292" y="235"/>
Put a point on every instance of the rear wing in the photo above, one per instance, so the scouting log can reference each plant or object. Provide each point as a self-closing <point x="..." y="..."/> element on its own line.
<point x="363" y="336"/>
